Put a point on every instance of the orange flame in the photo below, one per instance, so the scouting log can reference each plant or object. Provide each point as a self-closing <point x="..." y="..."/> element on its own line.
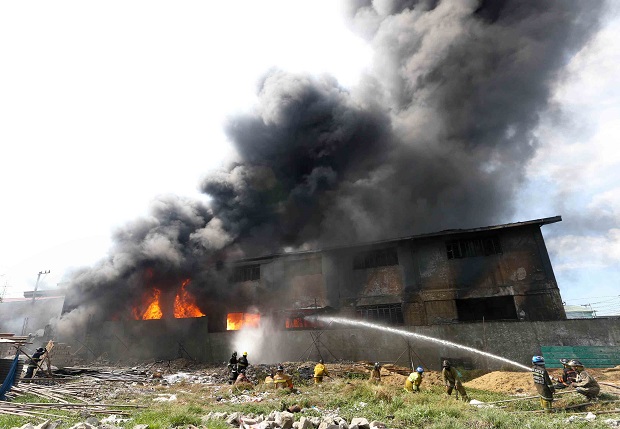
<point x="185" y="305"/>
<point x="297" y="322"/>
<point x="236" y="321"/>
<point x="153" y="311"/>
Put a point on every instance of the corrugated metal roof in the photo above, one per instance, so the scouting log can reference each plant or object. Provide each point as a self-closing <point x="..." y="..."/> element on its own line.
<point x="538" y="222"/>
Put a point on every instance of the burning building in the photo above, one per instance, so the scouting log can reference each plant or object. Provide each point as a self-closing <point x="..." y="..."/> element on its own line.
<point x="498" y="272"/>
<point x="438" y="135"/>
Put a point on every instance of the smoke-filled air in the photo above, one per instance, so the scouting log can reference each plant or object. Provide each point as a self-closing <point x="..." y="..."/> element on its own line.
<point x="436" y="135"/>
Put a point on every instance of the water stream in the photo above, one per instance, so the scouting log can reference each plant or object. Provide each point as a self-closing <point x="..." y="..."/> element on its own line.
<point x="363" y="324"/>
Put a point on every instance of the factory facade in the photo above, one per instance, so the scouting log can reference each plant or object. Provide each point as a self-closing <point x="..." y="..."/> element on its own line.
<point x="492" y="273"/>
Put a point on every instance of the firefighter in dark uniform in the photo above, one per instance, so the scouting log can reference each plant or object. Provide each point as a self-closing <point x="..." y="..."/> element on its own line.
<point x="375" y="373"/>
<point x="242" y="363"/>
<point x="543" y="383"/>
<point x="568" y="376"/>
<point x="33" y="363"/>
<point x="584" y="383"/>
<point x="452" y="380"/>
<point x="232" y="367"/>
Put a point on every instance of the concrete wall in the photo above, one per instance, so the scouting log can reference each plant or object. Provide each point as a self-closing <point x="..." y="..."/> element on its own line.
<point x="148" y="339"/>
<point x="517" y="341"/>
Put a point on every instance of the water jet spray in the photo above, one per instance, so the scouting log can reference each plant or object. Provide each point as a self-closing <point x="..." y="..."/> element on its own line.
<point x="364" y="324"/>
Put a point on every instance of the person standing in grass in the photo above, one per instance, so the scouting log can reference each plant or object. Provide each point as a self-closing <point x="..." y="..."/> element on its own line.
<point x="412" y="384"/>
<point x="319" y="372"/>
<point x="375" y="373"/>
<point x="452" y="380"/>
<point x="543" y="383"/>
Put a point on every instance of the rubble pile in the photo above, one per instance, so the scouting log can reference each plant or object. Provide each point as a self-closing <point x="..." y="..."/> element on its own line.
<point x="286" y="420"/>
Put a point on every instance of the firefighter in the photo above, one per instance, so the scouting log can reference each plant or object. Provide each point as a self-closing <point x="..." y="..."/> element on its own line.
<point x="319" y="372"/>
<point x="568" y="376"/>
<point x="33" y="363"/>
<point x="412" y="384"/>
<point x="269" y="380"/>
<point x="232" y="366"/>
<point x="375" y="374"/>
<point x="543" y="383"/>
<point x="584" y="383"/>
<point x="452" y="380"/>
<point x="242" y="363"/>
<point x="282" y="380"/>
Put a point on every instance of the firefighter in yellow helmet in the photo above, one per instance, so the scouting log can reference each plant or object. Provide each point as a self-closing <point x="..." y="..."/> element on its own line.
<point x="412" y="384"/>
<point x="242" y="363"/>
<point x="319" y="372"/>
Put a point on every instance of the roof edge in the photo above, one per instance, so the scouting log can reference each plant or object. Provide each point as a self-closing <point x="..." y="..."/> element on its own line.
<point x="540" y="222"/>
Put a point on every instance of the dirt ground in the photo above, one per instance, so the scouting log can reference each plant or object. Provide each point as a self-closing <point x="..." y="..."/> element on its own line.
<point x="514" y="383"/>
<point x="521" y="382"/>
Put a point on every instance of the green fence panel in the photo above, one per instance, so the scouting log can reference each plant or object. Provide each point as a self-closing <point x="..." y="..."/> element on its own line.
<point x="590" y="356"/>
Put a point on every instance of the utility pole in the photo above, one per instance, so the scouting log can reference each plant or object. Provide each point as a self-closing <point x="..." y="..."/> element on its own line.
<point x="3" y="288"/>
<point x="36" y="285"/>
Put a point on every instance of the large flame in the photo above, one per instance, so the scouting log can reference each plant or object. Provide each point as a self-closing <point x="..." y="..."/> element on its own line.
<point x="185" y="305"/>
<point x="153" y="311"/>
<point x="236" y="321"/>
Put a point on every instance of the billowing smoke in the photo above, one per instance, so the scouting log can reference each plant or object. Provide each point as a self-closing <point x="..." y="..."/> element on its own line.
<point x="436" y="136"/>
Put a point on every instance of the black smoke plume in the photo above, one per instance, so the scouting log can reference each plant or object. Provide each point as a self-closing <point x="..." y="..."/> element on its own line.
<point x="436" y="136"/>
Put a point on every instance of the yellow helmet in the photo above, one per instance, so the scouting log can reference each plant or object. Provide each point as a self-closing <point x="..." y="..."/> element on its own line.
<point x="245" y="353"/>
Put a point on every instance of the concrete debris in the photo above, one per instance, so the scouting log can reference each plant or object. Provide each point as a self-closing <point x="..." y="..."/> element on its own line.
<point x="305" y="423"/>
<point x="112" y="418"/>
<point x="360" y="422"/>
<point x="575" y="418"/>
<point x="612" y="423"/>
<point x="286" y="420"/>
<point x="164" y="397"/>
<point x="83" y="425"/>
<point x="234" y="419"/>
<point x="45" y="425"/>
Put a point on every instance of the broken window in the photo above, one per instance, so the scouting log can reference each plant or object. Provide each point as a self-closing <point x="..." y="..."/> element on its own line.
<point x="468" y="248"/>
<point x="246" y="273"/>
<point x="375" y="258"/>
<point x="492" y="308"/>
<point x="391" y="314"/>
<point x="302" y="318"/>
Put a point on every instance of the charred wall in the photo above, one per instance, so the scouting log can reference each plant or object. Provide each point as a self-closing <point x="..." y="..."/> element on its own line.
<point x="490" y="274"/>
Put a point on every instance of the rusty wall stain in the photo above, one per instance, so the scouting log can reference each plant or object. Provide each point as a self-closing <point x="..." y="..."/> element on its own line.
<point x="383" y="281"/>
<point x="307" y="291"/>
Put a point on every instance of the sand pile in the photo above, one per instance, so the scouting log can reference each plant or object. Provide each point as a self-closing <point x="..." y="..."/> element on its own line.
<point x="504" y="382"/>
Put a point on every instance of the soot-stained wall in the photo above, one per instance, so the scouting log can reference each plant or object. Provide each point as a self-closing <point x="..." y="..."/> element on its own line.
<point x="500" y="272"/>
